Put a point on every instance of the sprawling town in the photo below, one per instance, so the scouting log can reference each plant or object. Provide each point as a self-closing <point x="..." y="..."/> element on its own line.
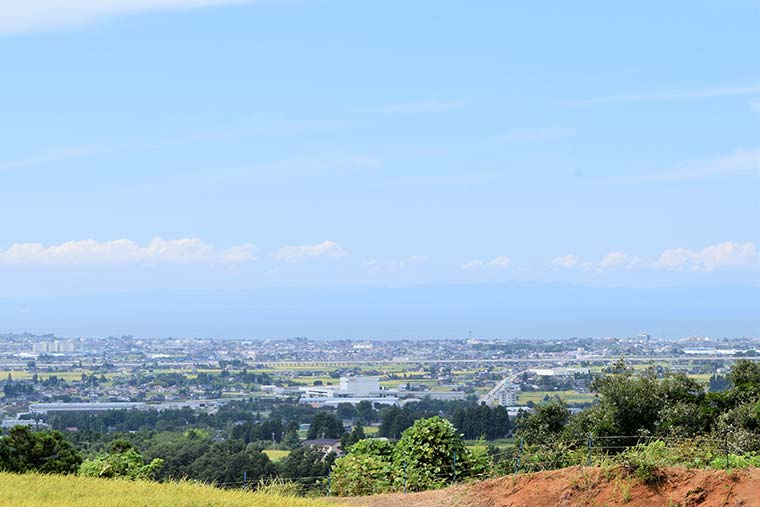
<point x="44" y="375"/>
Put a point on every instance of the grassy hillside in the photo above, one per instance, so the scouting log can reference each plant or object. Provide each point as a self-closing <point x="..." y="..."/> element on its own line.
<point x="34" y="490"/>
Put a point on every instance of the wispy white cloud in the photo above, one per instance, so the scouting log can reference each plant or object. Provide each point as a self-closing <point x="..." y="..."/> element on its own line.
<point x="669" y="95"/>
<point x="500" y="262"/>
<point x="538" y="134"/>
<point x="316" y="164"/>
<point x="32" y="15"/>
<point x="726" y="255"/>
<point x="324" y="250"/>
<point x="417" y="107"/>
<point x="90" y="252"/>
<point x="375" y="266"/>
<point x="53" y="156"/>
<point x="239" y="254"/>
<point x="567" y="261"/>
<point x="613" y="260"/>
<point x="619" y="260"/>
<point x="738" y="163"/>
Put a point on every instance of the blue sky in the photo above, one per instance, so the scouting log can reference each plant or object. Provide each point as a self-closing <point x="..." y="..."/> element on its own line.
<point x="229" y="145"/>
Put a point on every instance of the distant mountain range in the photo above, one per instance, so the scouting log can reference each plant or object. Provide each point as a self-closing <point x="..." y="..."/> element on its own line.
<point x="429" y="311"/>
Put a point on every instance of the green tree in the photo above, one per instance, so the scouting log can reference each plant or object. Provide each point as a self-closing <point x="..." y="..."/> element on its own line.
<point x="325" y="425"/>
<point x="227" y="463"/>
<point x="366" y="412"/>
<point x="178" y="450"/>
<point x="632" y="405"/>
<point x="745" y="377"/>
<point x="291" y="440"/>
<point x="349" y="439"/>
<point x="23" y="450"/>
<point x="545" y="424"/>
<point x="482" y="422"/>
<point x="346" y="411"/>
<point x="306" y="462"/>
<point x="393" y="422"/>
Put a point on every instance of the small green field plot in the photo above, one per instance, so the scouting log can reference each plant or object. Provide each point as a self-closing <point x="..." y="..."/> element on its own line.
<point x="309" y="381"/>
<point x="472" y="371"/>
<point x="702" y="378"/>
<point x="43" y="375"/>
<point x="570" y="397"/>
<point x="276" y="454"/>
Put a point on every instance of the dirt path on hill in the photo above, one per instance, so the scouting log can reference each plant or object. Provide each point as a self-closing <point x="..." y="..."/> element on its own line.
<point x="588" y="487"/>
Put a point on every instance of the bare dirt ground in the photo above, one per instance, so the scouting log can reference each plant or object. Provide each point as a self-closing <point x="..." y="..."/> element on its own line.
<point x="589" y="487"/>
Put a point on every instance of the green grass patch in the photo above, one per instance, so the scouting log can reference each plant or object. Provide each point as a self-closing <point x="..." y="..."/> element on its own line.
<point x="32" y="490"/>
<point x="276" y="454"/>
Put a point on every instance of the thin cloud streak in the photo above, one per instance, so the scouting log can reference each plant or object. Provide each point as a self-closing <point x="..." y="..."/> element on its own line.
<point x="667" y="95"/>
<point x="539" y="134"/>
<point x="18" y="16"/>
<point x="199" y="138"/>
<point x="418" y="107"/>
<point x="53" y="157"/>
<point x="738" y="163"/>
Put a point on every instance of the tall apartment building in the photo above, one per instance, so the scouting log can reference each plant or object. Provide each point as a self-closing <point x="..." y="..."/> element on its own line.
<point x="54" y="347"/>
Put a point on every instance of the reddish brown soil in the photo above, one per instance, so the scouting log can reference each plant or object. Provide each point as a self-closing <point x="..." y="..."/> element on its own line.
<point x="589" y="487"/>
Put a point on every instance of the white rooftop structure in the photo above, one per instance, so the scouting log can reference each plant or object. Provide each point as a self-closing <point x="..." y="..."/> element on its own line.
<point x="350" y="387"/>
<point x="334" y="402"/>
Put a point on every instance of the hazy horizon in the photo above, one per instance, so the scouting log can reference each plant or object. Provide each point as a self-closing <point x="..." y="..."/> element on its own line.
<point x="499" y="310"/>
<point x="236" y="145"/>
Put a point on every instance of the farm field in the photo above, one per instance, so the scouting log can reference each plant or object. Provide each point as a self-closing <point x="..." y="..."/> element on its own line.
<point x="570" y="397"/>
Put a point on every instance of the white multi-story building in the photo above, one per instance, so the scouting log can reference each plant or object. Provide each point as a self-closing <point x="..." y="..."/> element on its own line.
<point x="360" y="386"/>
<point x="54" y="347"/>
<point x="504" y="393"/>
<point x="350" y="390"/>
<point x="508" y="397"/>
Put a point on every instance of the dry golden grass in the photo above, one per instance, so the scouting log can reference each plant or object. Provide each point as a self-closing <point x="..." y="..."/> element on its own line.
<point x="33" y="490"/>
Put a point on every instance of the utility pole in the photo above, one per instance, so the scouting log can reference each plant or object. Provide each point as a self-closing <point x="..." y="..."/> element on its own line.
<point x="273" y="440"/>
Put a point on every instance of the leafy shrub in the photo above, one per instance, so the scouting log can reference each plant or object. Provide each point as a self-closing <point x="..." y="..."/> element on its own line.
<point x="373" y="447"/>
<point x="736" y="461"/>
<point x="361" y="474"/>
<point x="127" y="464"/>
<point x="431" y="454"/>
